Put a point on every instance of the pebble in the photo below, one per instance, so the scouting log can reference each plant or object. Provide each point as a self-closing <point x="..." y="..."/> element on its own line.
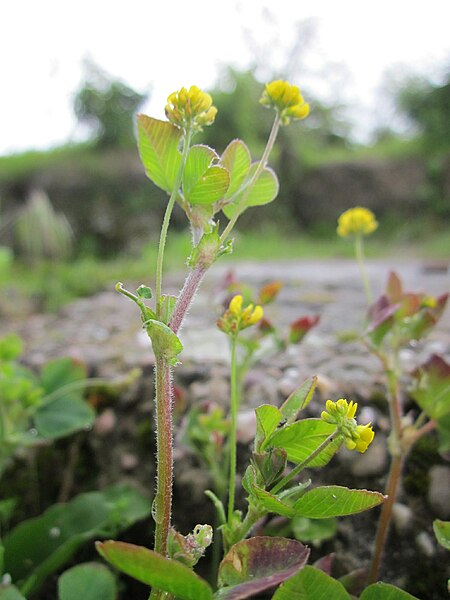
<point x="425" y="544"/>
<point x="373" y="462"/>
<point x="402" y="517"/>
<point x="439" y="491"/>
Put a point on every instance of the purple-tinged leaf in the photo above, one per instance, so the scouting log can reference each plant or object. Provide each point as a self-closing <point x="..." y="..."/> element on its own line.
<point x="257" y="564"/>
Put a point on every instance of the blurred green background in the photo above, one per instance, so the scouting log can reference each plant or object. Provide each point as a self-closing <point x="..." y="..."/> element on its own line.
<point x="76" y="219"/>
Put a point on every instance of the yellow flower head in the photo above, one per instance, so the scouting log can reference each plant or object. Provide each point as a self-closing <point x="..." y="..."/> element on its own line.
<point x="356" y="221"/>
<point x="236" y="318"/>
<point x="190" y="108"/>
<point x="286" y="99"/>
<point x="342" y="414"/>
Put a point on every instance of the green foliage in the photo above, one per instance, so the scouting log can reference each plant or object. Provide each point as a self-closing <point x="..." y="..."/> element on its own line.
<point x="385" y="591"/>
<point x="442" y="532"/>
<point x="155" y="570"/>
<point x="311" y="584"/>
<point x="90" y="581"/>
<point x="107" y="106"/>
<point x="427" y="105"/>
<point x="39" y="546"/>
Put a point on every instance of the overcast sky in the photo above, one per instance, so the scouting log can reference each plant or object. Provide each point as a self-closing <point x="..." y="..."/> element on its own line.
<point x="158" y="46"/>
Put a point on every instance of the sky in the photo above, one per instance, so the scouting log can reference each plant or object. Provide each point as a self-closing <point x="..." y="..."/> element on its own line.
<point x="337" y="50"/>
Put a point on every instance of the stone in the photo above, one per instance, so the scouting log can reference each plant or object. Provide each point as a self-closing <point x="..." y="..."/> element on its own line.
<point x="439" y="491"/>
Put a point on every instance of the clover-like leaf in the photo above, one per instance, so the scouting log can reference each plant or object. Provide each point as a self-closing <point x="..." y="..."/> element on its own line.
<point x="237" y="160"/>
<point x="254" y="193"/>
<point x="336" y="501"/>
<point x="155" y="570"/>
<point x="299" y="399"/>
<point x="259" y="563"/>
<point x="302" y="438"/>
<point x="311" y="583"/>
<point x="203" y="182"/>
<point x="158" y="148"/>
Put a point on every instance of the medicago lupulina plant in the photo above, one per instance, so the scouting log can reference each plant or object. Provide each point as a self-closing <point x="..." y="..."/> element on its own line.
<point x="205" y="184"/>
<point x="395" y="320"/>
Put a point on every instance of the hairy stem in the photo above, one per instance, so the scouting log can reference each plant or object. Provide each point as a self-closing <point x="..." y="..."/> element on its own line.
<point x="162" y="506"/>
<point x="233" y="427"/>
<point x="186" y="296"/>
<point x="165" y="224"/>
<point x="394" y="479"/>
<point x="359" y="250"/>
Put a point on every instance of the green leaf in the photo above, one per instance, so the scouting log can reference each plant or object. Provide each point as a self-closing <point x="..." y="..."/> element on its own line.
<point x="262" y="191"/>
<point x="311" y="584"/>
<point x="158" y="147"/>
<point x="11" y="593"/>
<point x="336" y="501"/>
<point x="11" y="347"/>
<point x="385" y="591"/>
<point x="40" y="546"/>
<point x="89" y="581"/>
<point x="62" y="417"/>
<point x="271" y="503"/>
<point x="155" y="570"/>
<point x="237" y="160"/>
<point x="254" y="565"/>
<point x="268" y="417"/>
<point x="61" y="372"/>
<point x="431" y="390"/>
<point x="164" y="341"/>
<point x="442" y="532"/>
<point x="313" y="530"/>
<point x="298" y="400"/>
<point x="302" y="438"/>
<point x="203" y="183"/>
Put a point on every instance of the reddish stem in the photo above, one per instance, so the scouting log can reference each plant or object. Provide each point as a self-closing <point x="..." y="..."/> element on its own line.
<point x="186" y="296"/>
<point x="164" y="453"/>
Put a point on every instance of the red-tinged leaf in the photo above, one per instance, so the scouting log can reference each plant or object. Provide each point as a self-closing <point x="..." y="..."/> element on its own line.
<point x="300" y="328"/>
<point x="336" y="501"/>
<point x="394" y="288"/>
<point x="269" y="292"/>
<point x="257" y="564"/>
<point x="155" y="570"/>
<point x="431" y="389"/>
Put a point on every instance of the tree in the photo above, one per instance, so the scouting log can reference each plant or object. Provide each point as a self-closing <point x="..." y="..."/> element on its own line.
<point x="108" y="107"/>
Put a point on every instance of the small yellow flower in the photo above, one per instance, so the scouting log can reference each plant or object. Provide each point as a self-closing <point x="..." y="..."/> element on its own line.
<point x="286" y="99"/>
<point x="356" y="221"/>
<point x="342" y="414"/>
<point x="236" y="318"/>
<point x="190" y="108"/>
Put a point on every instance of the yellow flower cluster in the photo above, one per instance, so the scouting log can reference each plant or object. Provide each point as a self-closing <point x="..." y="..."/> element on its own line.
<point x="190" y="108"/>
<point x="236" y="318"/>
<point x="286" y="99"/>
<point x="356" y="221"/>
<point x="342" y="414"/>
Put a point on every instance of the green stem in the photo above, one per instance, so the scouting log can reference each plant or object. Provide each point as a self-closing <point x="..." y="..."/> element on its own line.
<point x="359" y="250"/>
<point x="166" y="221"/>
<point x="261" y="166"/>
<point x="296" y="470"/>
<point x="234" y="399"/>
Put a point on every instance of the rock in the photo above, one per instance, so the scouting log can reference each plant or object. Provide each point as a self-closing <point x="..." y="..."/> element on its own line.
<point x="425" y="544"/>
<point x="402" y="517"/>
<point x="439" y="491"/>
<point x="373" y="461"/>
